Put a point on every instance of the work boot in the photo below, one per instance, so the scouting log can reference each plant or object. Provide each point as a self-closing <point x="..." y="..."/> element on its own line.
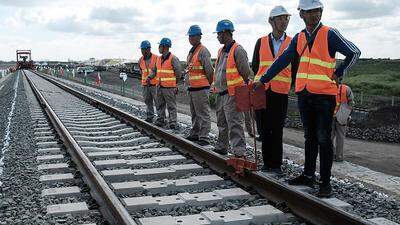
<point x="264" y="168"/>
<point x="203" y="142"/>
<point x="325" y="191"/>
<point x="276" y="171"/>
<point x="221" y="151"/>
<point x="160" y="123"/>
<point x="173" y="126"/>
<point x="192" y="138"/>
<point x="302" y="180"/>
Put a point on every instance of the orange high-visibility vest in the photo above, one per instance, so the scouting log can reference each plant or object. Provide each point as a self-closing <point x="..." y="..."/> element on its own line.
<point x="146" y="70"/>
<point x="233" y="78"/>
<point x="341" y="96"/>
<point x="197" y="74"/>
<point x="316" y="67"/>
<point x="165" y="72"/>
<point x="281" y="82"/>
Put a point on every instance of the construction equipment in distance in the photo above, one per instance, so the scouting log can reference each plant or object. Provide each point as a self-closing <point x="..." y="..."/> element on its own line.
<point x="24" y="60"/>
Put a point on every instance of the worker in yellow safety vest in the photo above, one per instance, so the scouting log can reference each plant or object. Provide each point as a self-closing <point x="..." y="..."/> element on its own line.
<point x="147" y="63"/>
<point x="168" y="71"/>
<point x="199" y="75"/>
<point x="231" y="70"/>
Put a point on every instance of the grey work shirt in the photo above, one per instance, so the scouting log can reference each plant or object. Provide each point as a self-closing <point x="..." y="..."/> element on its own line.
<point x="242" y="64"/>
<point x="350" y="97"/>
<point x="205" y="60"/>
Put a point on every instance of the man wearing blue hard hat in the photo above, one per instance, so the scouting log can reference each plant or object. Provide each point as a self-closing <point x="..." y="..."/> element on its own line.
<point x="317" y="78"/>
<point x="231" y="70"/>
<point x="168" y="71"/>
<point x="147" y="64"/>
<point x="199" y="73"/>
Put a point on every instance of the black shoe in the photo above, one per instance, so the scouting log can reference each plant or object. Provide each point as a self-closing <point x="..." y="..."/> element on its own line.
<point x="221" y="152"/>
<point x="160" y="124"/>
<point x="173" y="126"/>
<point x="192" y="138"/>
<point x="264" y="168"/>
<point x="338" y="159"/>
<point x="325" y="191"/>
<point x="258" y="138"/>
<point x="149" y="120"/>
<point x="203" y="142"/>
<point x="277" y="171"/>
<point x="302" y="180"/>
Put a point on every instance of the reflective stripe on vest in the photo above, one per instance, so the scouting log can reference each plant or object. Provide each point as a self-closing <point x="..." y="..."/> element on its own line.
<point x="165" y="72"/>
<point x="316" y="67"/>
<point x="341" y="96"/>
<point x="197" y="75"/>
<point x="147" y="69"/>
<point x="281" y="82"/>
<point x="233" y="78"/>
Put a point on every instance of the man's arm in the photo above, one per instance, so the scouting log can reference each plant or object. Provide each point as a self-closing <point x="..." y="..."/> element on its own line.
<point x="205" y="60"/>
<point x="242" y="63"/>
<point x="255" y="63"/>
<point x="176" y="65"/>
<point x="282" y="61"/>
<point x="337" y="43"/>
<point x="350" y="97"/>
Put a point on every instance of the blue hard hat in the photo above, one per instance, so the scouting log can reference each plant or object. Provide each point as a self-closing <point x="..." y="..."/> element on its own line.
<point x="224" y="25"/>
<point x="166" y="42"/>
<point x="194" y="30"/>
<point x="145" y="44"/>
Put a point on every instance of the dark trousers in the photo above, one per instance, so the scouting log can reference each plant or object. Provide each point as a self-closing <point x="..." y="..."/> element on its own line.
<point x="270" y="122"/>
<point x="316" y="113"/>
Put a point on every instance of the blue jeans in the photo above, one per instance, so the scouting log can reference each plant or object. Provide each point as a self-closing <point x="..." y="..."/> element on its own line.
<point x="316" y="113"/>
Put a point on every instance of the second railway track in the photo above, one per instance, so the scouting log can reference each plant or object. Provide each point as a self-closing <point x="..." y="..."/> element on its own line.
<point x="141" y="174"/>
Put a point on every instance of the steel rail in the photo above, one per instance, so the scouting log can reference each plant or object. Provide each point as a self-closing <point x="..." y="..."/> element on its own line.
<point x="304" y="205"/>
<point x="110" y="206"/>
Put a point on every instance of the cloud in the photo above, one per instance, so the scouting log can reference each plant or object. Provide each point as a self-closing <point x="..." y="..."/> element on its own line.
<point x="361" y="9"/>
<point x="73" y="25"/>
<point x="115" y="15"/>
<point x="23" y="3"/>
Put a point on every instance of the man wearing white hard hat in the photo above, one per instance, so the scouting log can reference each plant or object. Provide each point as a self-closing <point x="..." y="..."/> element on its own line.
<point x="317" y="81"/>
<point x="270" y="121"/>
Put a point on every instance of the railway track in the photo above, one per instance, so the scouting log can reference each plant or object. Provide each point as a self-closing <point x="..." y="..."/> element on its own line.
<point x="141" y="174"/>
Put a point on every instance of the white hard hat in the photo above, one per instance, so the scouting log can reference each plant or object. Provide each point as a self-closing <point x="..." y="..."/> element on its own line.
<point x="278" y="11"/>
<point x="310" y="4"/>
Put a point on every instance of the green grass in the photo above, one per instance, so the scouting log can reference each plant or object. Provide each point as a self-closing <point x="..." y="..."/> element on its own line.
<point x="375" y="77"/>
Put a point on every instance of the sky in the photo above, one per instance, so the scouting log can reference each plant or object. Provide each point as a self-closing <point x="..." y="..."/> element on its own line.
<point x="81" y="29"/>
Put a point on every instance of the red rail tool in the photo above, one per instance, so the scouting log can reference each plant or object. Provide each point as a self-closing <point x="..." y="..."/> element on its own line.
<point x="247" y="99"/>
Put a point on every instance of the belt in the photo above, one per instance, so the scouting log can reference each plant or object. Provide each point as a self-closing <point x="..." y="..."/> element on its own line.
<point x="198" y="88"/>
<point x="223" y="93"/>
<point x="167" y="87"/>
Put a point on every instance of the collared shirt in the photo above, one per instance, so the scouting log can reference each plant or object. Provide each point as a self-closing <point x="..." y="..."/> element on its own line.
<point x="277" y="43"/>
<point x="242" y="64"/>
<point x="255" y="63"/>
<point x="336" y="43"/>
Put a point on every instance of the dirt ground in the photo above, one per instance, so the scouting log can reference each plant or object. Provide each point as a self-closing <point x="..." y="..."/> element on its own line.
<point x="381" y="157"/>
